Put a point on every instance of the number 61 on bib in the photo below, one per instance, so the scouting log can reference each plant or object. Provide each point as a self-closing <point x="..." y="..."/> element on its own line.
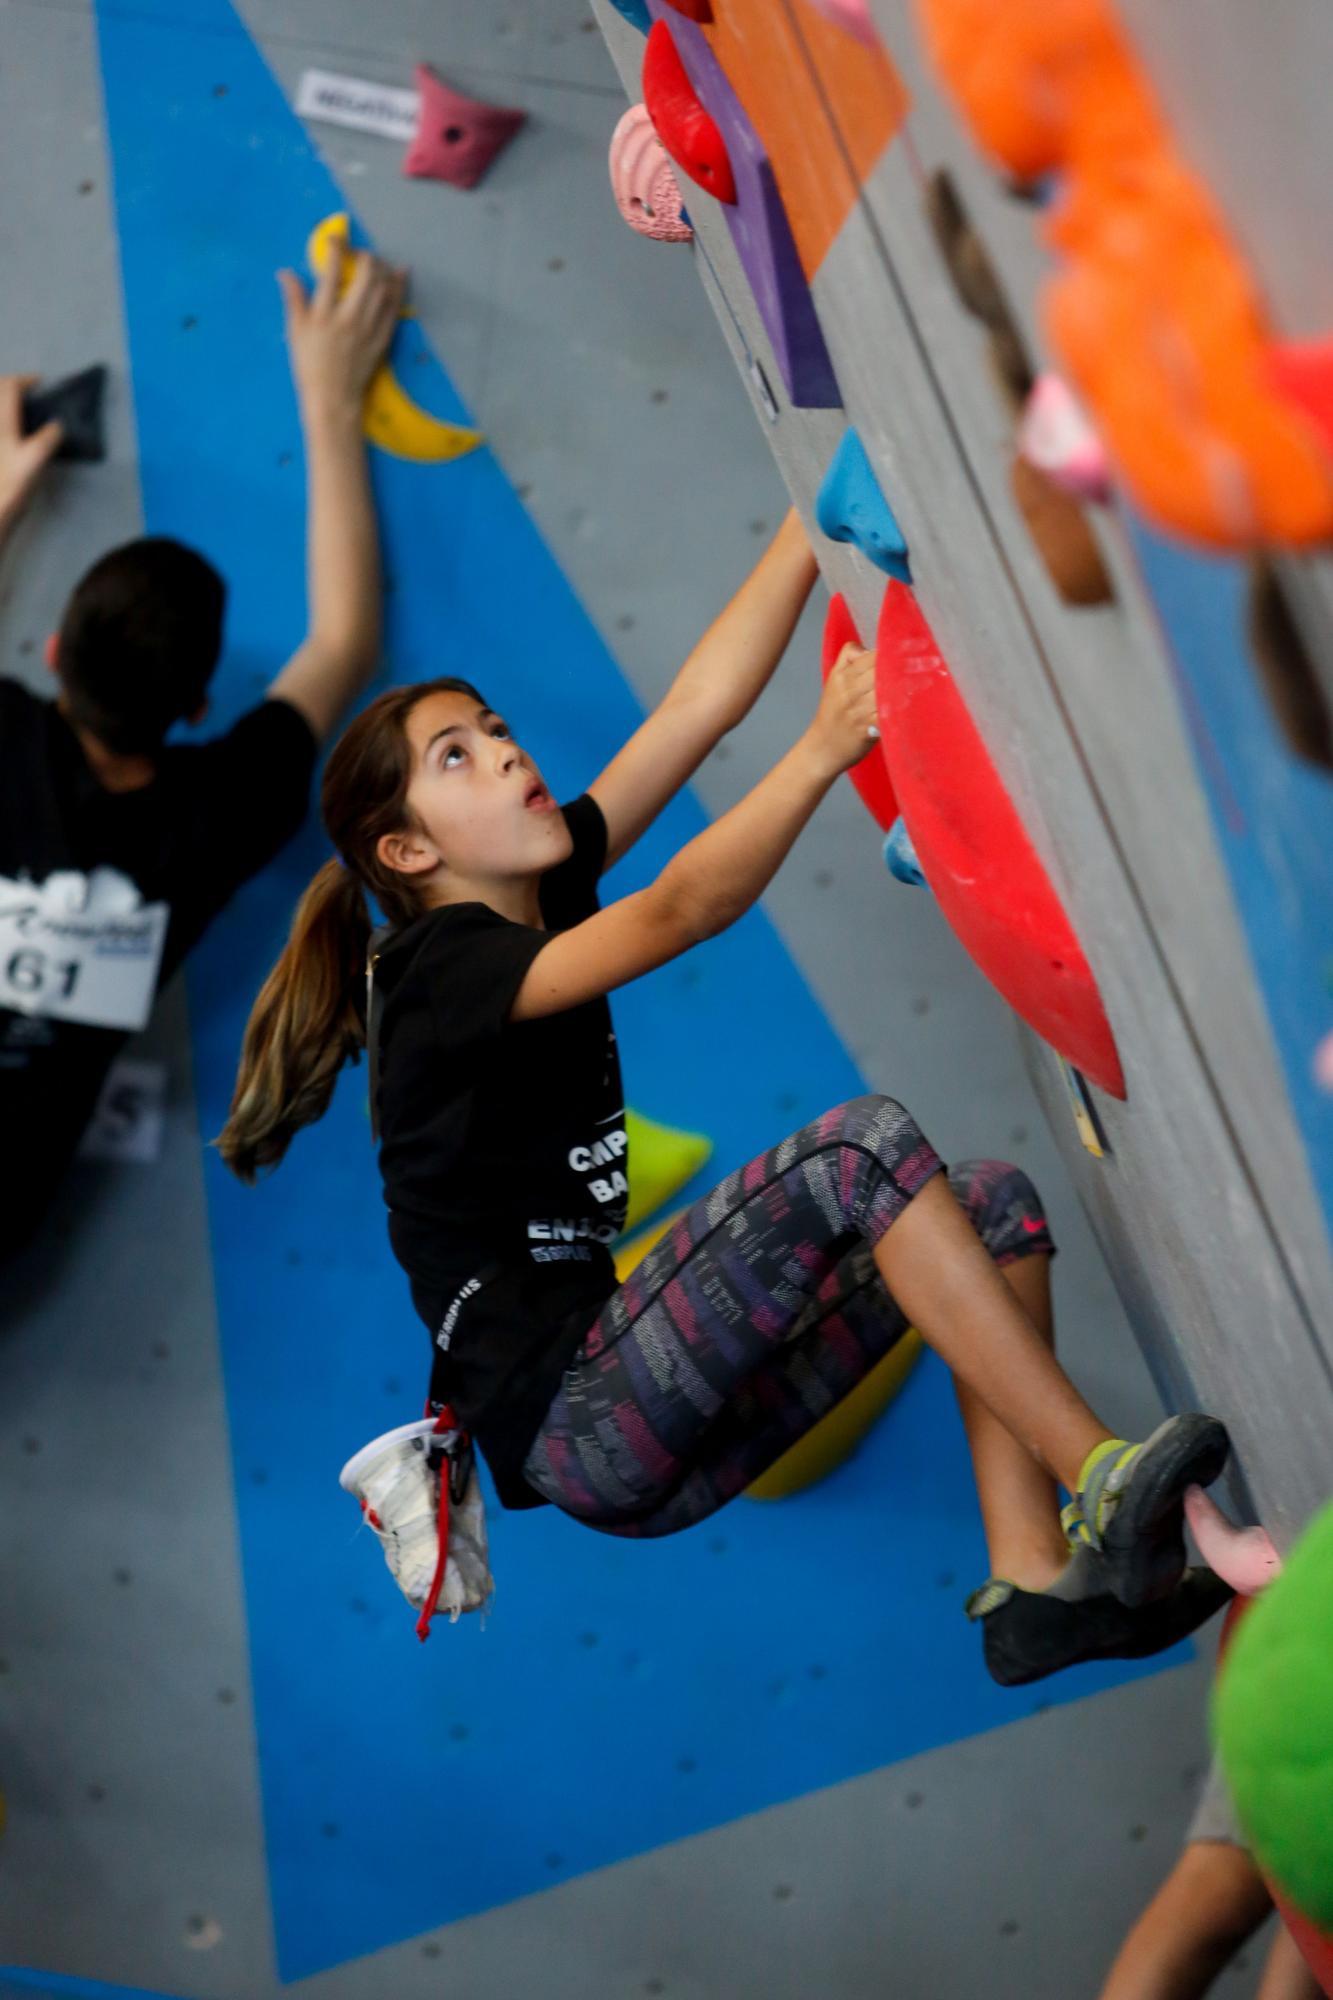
<point x="80" y="948"/>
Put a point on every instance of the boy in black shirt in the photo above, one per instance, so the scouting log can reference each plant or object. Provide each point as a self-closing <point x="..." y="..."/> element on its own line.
<point x="116" y="848"/>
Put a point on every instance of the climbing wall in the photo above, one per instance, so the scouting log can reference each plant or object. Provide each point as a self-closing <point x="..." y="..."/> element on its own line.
<point x="222" y="1753"/>
<point x="1133" y="846"/>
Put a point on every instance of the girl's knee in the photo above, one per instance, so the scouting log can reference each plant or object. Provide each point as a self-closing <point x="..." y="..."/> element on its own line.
<point x="1003" y="1206"/>
<point x="880" y="1124"/>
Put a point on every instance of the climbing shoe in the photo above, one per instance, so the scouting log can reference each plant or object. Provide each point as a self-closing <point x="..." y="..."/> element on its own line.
<point x="1028" y="1634"/>
<point x="1131" y="1499"/>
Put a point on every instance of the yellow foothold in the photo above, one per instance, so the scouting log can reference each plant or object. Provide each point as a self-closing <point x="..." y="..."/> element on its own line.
<point x="661" y="1160"/>
<point x="836" y="1436"/>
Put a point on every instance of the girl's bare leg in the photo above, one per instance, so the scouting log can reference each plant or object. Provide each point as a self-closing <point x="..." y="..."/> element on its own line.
<point x="1019" y="1505"/>
<point x="941" y="1274"/>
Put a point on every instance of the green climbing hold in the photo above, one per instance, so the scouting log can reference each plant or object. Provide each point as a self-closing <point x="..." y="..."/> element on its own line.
<point x="1273" y="1719"/>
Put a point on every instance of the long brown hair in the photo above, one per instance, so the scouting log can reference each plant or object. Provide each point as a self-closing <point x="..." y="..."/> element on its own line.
<point x="308" y="1021"/>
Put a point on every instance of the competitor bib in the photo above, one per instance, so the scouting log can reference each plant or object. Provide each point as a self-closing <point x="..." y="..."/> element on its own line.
<point x="80" y="948"/>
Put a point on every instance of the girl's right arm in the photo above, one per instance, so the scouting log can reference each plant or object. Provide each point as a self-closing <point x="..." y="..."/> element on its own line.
<point x="722" y="872"/>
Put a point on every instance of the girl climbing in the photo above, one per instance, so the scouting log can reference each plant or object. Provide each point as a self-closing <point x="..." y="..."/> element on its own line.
<point x="495" y="1084"/>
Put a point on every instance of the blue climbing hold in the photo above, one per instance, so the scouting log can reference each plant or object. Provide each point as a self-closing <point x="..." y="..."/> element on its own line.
<point x="901" y="856"/>
<point x="851" y="508"/>
<point x="635" y="12"/>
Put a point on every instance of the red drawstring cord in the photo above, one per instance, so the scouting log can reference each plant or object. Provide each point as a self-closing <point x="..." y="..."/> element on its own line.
<point x="446" y="1421"/>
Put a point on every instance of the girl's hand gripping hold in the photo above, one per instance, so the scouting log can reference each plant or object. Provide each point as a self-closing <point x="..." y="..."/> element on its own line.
<point x="845" y="728"/>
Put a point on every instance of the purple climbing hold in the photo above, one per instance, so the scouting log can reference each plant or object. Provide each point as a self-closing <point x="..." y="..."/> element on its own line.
<point x="759" y="226"/>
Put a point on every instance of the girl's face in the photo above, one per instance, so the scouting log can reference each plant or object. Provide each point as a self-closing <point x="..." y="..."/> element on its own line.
<point x="482" y="812"/>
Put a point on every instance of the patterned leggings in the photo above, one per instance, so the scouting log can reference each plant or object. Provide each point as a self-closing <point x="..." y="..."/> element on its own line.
<point x="759" y="1310"/>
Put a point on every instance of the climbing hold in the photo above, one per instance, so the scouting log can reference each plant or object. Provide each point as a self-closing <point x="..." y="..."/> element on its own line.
<point x="850" y="507"/>
<point x="1243" y="1557"/>
<point x="661" y="1160"/>
<point x="1087" y="1123"/>
<point x="836" y="1436"/>
<point x="871" y="775"/>
<point x="1062" y="538"/>
<point x="683" y="125"/>
<point x="644" y="182"/>
<point x="75" y="402"/>
<point x="1218" y="430"/>
<point x="853" y="15"/>
<point x="693" y="10"/>
<point x="457" y="137"/>
<point x="757" y="219"/>
<point x="977" y="283"/>
<point x="1303" y="370"/>
<point x="1287" y="666"/>
<point x="389" y="417"/>
<point x="635" y="12"/>
<point x="1273" y="1719"/>
<point x="1323" y="1063"/>
<point x="900" y="855"/>
<point x="975" y="852"/>
<point x="1056" y="437"/>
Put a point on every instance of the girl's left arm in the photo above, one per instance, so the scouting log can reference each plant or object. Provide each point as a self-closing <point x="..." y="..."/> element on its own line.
<point x="715" y="689"/>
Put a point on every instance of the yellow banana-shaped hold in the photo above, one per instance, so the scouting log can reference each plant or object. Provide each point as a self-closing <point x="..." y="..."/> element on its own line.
<point x="391" y="419"/>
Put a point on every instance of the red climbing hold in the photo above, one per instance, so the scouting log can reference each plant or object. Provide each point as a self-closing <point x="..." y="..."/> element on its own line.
<point x="972" y="846"/>
<point x="1303" y="371"/>
<point x="457" y="137"/>
<point x="683" y="126"/>
<point x="871" y="775"/>
<point x="693" y="10"/>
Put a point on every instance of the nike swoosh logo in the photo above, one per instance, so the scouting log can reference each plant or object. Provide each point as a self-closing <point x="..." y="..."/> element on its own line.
<point x="1034" y="1228"/>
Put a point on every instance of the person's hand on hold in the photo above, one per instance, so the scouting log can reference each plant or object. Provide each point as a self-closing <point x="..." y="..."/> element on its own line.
<point x="22" y="459"/>
<point x="338" y="334"/>
<point x="845" y="727"/>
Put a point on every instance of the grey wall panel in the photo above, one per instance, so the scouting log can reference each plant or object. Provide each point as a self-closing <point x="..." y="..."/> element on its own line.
<point x="1179" y="1113"/>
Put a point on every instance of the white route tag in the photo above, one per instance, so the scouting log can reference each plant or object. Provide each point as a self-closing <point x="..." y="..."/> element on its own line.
<point x="80" y="948"/>
<point x="365" y="107"/>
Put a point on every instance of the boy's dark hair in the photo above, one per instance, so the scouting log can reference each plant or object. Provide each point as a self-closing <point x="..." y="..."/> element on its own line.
<point x="139" y="641"/>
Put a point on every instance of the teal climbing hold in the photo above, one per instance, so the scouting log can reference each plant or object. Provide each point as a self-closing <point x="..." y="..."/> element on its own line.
<point x="852" y="508"/>
<point x="635" y="12"/>
<point x="901" y="856"/>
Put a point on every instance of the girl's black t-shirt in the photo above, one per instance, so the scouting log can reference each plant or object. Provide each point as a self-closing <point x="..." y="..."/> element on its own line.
<point x="503" y="1152"/>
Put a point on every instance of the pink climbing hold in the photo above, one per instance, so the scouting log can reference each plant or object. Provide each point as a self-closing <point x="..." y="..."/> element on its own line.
<point x="1243" y="1557"/>
<point x="644" y="182"/>
<point x="853" y="15"/>
<point x="1056" y="437"/>
<point x="457" y="137"/>
<point x="1323" y="1063"/>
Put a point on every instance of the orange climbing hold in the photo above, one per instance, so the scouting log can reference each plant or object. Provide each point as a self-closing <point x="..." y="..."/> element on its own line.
<point x="1153" y="313"/>
<point x="973" y="848"/>
<point x="682" y="124"/>
<point x="824" y="106"/>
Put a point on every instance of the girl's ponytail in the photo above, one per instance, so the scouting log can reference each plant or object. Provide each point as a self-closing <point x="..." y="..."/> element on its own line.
<point x="304" y="1026"/>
